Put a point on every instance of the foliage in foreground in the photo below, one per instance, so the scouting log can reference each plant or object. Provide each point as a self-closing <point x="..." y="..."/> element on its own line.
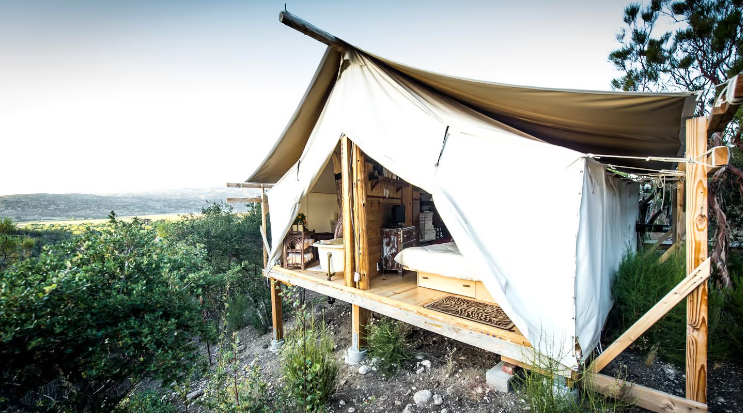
<point x="310" y="371"/>
<point x="233" y="246"/>
<point x="547" y="392"/>
<point x="386" y="343"/>
<point x="91" y="317"/>
<point x="234" y="389"/>
<point x="641" y="282"/>
<point x="149" y="401"/>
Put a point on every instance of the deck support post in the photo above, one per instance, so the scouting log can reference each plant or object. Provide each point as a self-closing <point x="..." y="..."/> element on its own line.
<point x="359" y="320"/>
<point x="263" y="223"/>
<point x="360" y="178"/>
<point x="348" y="223"/>
<point x="696" y="253"/>
<point x="277" y="313"/>
<point x="679" y="213"/>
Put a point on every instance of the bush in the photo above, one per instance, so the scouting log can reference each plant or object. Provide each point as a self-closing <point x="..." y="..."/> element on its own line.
<point x="641" y="282"/>
<point x="93" y="316"/>
<point x="386" y="342"/>
<point x="234" y="247"/>
<point x="547" y="391"/>
<point x="150" y="401"/>
<point x="309" y="369"/>
<point x="231" y="389"/>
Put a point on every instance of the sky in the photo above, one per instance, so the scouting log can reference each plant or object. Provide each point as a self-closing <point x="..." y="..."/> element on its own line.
<point x="132" y="95"/>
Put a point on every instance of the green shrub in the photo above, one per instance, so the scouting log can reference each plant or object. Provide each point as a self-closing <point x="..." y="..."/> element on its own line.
<point x="641" y="282"/>
<point x="547" y="391"/>
<point x="386" y="342"/>
<point x="309" y="369"/>
<point x="234" y="247"/>
<point x="150" y="401"/>
<point x="234" y="389"/>
<point x="107" y="308"/>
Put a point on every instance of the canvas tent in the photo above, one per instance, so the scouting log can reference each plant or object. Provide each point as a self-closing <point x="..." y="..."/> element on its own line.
<point x="486" y="153"/>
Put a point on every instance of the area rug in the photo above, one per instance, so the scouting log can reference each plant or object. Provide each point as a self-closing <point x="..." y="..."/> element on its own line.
<point x="479" y="312"/>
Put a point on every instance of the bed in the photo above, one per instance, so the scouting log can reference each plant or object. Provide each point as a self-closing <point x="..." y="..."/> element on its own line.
<point x="442" y="267"/>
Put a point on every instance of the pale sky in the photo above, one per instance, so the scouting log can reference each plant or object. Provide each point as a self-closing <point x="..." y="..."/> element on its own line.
<point x="128" y="96"/>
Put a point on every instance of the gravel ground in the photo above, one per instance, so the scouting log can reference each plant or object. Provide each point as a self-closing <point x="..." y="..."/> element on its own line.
<point x="456" y="373"/>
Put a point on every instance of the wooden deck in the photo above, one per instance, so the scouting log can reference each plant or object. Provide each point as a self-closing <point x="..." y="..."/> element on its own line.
<point x="401" y="298"/>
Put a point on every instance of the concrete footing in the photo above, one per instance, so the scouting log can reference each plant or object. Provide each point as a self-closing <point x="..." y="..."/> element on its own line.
<point x="354" y="356"/>
<point x="276" y="346"/>
<point x="499" y="379"/>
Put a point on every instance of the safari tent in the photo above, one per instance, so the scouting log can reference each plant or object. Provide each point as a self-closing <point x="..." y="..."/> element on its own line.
<point x="503" y="210"/>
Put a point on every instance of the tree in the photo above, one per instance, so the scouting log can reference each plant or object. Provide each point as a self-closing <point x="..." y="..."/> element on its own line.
<point x="14" y="246"/>
<point x="702" y="51"/>
<point x="85" y="321"/>
<point x="233" y="245"/>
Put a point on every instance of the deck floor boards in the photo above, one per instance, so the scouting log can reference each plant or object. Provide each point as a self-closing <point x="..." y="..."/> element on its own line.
<point x="403" y="289"/>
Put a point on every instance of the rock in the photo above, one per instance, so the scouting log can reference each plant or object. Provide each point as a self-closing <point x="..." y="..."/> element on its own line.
<point x="422" y="397"/>
<point x="479" y="389"/>
<point x="364" y="369"/>
<point x="351" y="410"/>
<point x="670" y="371"/>
<point x="408" y="409"/>
<point x="426" y="364"/>
<point x="438" y="400"/>
<point x="194" y="394"/>
<point x="375" y="361"/>
<point x="419" y="356"/>
<point x="450" y="391"/>
<point x="444" y="410"/>
<point x="398" y="403"/>
<point x="342" y="403"/>
<point x="420" y="370"/>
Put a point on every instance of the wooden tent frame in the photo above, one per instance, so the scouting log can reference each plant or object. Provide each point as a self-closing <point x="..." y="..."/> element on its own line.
<point x="690" y="223"/>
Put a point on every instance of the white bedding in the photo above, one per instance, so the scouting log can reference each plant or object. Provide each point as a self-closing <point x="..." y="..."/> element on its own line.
<point x="441" y="259"/>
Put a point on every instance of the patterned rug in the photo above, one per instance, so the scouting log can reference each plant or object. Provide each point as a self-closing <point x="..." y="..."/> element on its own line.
<point x="476" y="311"/>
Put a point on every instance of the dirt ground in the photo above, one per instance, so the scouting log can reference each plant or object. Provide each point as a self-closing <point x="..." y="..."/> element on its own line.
<point x="457" y="373"/>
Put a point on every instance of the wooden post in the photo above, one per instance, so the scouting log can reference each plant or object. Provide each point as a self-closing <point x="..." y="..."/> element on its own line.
<point x="359" y="320"/>
<point x="696" y="253"/>
<point x="347" y="192"/>
<point x="277" y="311"/>
<point x="679" y="212"/>
<point x="407" y="200"/>
<point x="263" y="224"/>
<point x="360" y="221"/>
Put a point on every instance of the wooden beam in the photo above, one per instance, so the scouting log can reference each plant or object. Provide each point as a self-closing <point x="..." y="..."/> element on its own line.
<point x="359" y="320"/>
<point x="647" y="398"/>
<point x="696" y="253"/>
<point x="660" y="241"/>
<point x="687" y="285"/>
<point x="360" y="221"/>
<point x="718" y="157"/>
<point x="407" y="201"/>
<point x="302" y="26"/>
<point x="243" y="200"/>
<point x="347" y="192"/>
<point x="248" y="185"/>
<point x="669" y="252"/>
<point x="497" y="341"/>
<point x="264" y="211"/>
<point x="679" y="213"/>
<point x="651" y="227"/>
<point x="277" y="310"/>
<point x="722" y="114"/>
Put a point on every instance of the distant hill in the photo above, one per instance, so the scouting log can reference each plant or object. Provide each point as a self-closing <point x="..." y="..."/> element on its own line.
<point x="55" y="207"/>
